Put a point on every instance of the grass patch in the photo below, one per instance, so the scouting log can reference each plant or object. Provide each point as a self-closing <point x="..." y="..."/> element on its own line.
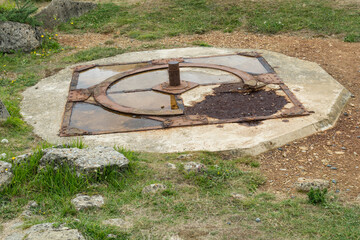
<point x="171" y="18"/>
<point x="92" y="54"/>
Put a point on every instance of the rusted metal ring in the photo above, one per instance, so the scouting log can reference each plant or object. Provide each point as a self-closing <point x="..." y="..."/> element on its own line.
<point x="101" y="97"/>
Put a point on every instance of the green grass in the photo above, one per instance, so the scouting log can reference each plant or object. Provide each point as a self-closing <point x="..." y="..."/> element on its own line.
<point x="189" y="198"/>
<point x="171" y="18"/>
<point x="92" y="54"/>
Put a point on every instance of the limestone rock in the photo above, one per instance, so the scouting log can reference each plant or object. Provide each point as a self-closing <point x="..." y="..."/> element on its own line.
<point x="184" y="156"/>
<point x="59" y="11"/>
<point x="4" y="114"/>
<point x="21" y="158"/>
<point x="5" y="174"/>
<point x="86" y="161"/>
<point x="238" y="196"/>
<point x="305" y="185"/>
<point x="82" y="202"/>
<point x="48" y="231"/>
<point x="153" y="188"/>
<point x="171" y="165"/>
<point x="4" y="141"/>
<point x="18" y="36"/>
<point x="118" y="222"/>
<point x="194" y="167"/>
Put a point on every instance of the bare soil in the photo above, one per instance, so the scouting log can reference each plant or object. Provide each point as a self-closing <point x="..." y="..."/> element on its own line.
<point x="309" y="157"/>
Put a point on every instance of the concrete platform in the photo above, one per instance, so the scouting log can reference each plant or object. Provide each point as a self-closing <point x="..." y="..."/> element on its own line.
<point x="43" y="107"/>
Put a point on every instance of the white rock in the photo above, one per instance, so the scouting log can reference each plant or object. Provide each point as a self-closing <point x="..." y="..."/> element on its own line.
<point x="86" y="161"/>
<point x="48" y="231"/>
<point x="3" y="155"/>
<point x="82" y="202"/>
<point x="305" y="185"/>
<point x="194" y="167"/>
<point x="171" y="165"/>
<point x="153" y="188"/>
<point x="5" y="174"/>
<point x="4" y="141"/>
<point x="118" y="222"/>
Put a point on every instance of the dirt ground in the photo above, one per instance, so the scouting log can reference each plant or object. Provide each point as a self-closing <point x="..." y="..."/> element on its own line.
<point x="310" y="157"/>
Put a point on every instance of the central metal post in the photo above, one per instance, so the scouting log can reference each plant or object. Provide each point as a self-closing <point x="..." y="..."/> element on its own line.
<point x="174" y="73"/>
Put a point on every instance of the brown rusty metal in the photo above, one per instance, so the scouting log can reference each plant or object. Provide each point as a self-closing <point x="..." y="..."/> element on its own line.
<point x="269" y="78"/>
<point x="174" y="73"/>
<point x="83" y="67"/>
<point x="101" y="97"/>
<point x="250" y="54"/>
<point x="172" y="118"/>
<point x="183" y="87"/>
<point x="79" y="95"/>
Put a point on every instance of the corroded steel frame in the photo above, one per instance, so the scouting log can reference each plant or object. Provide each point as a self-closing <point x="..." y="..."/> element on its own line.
<point x="171" y="118"/>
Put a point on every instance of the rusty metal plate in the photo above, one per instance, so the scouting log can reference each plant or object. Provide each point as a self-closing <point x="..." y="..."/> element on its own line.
<point x="147" y="101"/>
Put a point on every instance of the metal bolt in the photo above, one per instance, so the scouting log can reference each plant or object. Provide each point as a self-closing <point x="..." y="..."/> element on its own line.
<point x="174" y="73"/>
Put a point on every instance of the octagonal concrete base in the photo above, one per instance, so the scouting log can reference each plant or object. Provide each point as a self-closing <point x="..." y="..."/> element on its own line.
<point x="43" y="107"/>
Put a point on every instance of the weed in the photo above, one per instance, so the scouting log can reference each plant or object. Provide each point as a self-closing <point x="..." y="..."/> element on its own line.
<point x="93" y="53"/>
<point x="317" y="196"/>
<point x="352" y="37"/>
<point x="201" y="44"/>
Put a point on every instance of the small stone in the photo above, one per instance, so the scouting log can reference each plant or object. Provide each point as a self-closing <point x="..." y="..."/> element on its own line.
<point x="175" y="237"/>
<point x="118" y="222"/>
<point x="339" y="153"/>
<point x="5" y="174"/>
<point x="337" y="190"/>
<point x="280" y="149"/>
<point x="3" y="155"/>
<point x="333" y="181"/>
<point x="228" y="223"/>
<point x="48" y="231"/>
<point x="258" y="220"/>
<point x="153" y="188"/>
<point x="329" y="165"/>
<point x="32" y="204"/>
<point x="238" y="196"/>
<point x="305" y="185"/>
<point x="304" y="148"/>
<point x="111" y="236"/>
<point x="194" y="167"/>
<point x="26" y="214"/>
<point x="333" y="168"/>
<point x="328" y="143"/>
<point x="82" y="202"/>
<point x="346" y="114"/>
<point x="343" y="148"/>
<point x="4" y="141"/>
<point x="184" y="156"/>
<point x="171" y="165"/>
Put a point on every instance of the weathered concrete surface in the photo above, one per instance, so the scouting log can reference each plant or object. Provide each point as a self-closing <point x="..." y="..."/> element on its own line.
<point x="315" y="88"/>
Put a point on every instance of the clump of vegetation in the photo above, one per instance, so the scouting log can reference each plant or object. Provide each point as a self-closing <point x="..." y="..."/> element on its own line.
<point x="92" y="54"/>
<point x="317" y="196"/>
<point x="20" y="13"/>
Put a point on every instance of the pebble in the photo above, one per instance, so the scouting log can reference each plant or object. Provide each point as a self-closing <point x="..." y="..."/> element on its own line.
<point x="328" y="165"/>
<point x="333" y="181"/>
<point x="4" y="141"/>
<point x="347" y="189"/>
<point x="280" y="149"/>
<point x="3" y="155"/>
<point x="337" y="191"/>
<point x="258" y="220"/>
<point x="228" y="223"/>
<point x="343" y="148"/>
<point x="333" y="168"/>
<point x="346" y="114"/>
